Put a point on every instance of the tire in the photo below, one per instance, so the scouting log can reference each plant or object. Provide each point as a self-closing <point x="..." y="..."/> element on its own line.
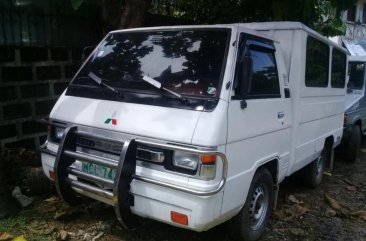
<point x="353" y="144"/>
<point x="249" y="224"/>
<point x="313" y="173"/>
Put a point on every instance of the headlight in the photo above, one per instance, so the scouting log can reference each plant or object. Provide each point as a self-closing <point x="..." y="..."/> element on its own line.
<point x="145" y="154"/>
<point x="59" y="132"/>
<point x="185" y="160"/>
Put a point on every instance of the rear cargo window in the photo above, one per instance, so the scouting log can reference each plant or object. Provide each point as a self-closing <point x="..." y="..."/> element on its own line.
<point x="339" y="61"/>
<point x="317" y="63"/>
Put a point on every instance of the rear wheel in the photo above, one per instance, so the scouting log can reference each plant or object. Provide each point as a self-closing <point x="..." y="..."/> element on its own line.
<point x="249" y="224"/>
<point x="353" y="144"/>
<point x="313" y="173"/>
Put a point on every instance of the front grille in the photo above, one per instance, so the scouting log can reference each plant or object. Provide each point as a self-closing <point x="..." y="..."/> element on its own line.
<point x="100" y="145"/>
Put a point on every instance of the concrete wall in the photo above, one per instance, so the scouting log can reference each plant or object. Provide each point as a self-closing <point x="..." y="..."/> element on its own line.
<point x="31" y="79"/>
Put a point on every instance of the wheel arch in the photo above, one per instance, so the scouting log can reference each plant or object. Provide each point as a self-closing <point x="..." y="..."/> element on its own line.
<point x="329" y="142"/>
<point x="273" y="167"/>
<point x="358" y="123"/>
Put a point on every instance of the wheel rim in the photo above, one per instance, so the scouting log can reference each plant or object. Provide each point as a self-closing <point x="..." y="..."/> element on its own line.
<point x="319" y="166"/>
<point x="258" y="208"/>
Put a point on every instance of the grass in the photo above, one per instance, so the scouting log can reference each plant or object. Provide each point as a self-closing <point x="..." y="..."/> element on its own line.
<point x="20" y="225"/>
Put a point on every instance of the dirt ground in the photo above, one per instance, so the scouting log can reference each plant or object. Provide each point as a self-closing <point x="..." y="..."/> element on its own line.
<point x="334" y="211"/>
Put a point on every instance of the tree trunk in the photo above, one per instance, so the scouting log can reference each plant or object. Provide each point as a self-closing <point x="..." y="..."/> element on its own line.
<point x="134" y="13"/>
<point x="111" y="12"/>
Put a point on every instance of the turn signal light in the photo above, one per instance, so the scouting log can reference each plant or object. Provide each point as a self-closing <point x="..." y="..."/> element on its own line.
<point x="49" y="125"/>
<point x="52" y="175"/>
<point x="208" y="159"/>
<point x="179" y="218"/>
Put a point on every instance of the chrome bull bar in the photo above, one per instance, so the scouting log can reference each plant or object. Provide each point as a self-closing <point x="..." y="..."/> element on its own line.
<point x="114" y="192"/>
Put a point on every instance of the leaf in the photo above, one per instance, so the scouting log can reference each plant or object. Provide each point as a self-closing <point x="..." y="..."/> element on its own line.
<point x="19" y="238"/>
<point x="330" y="213"/>
<point x="333" y="203"/>
<point x="62" y="235"/>
<point x="351" y="188"/>
<point x="5" y="236"/>
<point x="299" y="210"/>
<point x="360" y="214"/>
<point x="293" y="199"/>
<point x="76" y="4"/>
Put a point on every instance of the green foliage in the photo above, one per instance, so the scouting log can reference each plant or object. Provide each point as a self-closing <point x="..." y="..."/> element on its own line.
<point x="322" y="15"/>
<point x="20" y="225"/>
<point x="76" y="4"/>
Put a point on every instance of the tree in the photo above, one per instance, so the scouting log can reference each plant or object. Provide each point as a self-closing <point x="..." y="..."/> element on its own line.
<point x="322" y="15"/>
<point x="134" y="13"/>
<point x="119" y="14"/>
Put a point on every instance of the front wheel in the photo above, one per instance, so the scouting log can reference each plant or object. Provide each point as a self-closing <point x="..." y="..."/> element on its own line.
<point x="250" y="223"/>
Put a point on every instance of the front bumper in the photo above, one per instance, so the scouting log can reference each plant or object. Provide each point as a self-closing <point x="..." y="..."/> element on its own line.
<point x="132" y="192"/>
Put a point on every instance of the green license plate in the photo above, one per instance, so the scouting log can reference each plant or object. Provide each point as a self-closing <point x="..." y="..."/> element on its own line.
<point x="100" y="171"/>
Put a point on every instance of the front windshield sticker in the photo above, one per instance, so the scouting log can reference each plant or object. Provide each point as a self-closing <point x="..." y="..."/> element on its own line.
<point x="211" y="91"/>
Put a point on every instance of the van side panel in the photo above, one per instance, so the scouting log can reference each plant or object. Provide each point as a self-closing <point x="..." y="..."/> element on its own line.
<point x="246" y="155"/>
<point x="317" y="112"/>
<point x="321" y="116"/>
<point x="258" y="133"/>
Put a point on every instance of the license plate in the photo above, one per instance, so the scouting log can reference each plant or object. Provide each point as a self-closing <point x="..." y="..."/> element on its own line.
<point x="98" y="170"/>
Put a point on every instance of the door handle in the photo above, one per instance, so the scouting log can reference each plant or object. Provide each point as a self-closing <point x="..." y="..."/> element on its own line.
<point x="281" y="115"/>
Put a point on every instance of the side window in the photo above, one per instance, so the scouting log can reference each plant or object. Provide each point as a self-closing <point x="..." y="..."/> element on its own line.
<point x="339" y="61"/>
<point x="256" y="73"/>
<point x="317" y="63"/>
<point x="356" y="72"/>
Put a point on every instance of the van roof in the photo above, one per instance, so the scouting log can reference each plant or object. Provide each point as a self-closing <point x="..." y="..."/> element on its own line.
<point x="230" y="26"/>
<point x="255" y="28"/>
<point x="357" y="58"/>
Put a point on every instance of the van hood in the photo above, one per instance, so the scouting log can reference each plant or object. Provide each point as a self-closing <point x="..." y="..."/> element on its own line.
<point x="169" y="124"/>
<point x="352" y="98"/>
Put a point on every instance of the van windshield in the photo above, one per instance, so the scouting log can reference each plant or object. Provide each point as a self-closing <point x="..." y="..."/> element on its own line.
<point x="356" y="75"/>
<point x="187" y="61"/>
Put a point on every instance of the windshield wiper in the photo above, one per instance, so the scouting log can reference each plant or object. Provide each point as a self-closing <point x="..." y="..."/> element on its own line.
<point x="158" y="85"/>
<point x="100" y="81"/>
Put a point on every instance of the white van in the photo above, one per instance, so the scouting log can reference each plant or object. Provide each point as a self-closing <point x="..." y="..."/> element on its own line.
<point x="196" y="125"/>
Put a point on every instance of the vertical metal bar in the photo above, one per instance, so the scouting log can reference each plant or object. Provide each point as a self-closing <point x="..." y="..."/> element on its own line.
<point x="29" y="31"/>
<point x="62" y="163"/>
<point x="37" y="32"/>
<point x="20" y="28"/>
<point x="122" y="199"/>
<point x="11" y="18"/>
<point x="4" y="30"/>
<point x="44" y="20"/>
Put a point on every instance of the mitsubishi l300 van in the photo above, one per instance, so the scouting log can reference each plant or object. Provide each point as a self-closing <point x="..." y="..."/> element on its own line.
<point x="194" y="126"/>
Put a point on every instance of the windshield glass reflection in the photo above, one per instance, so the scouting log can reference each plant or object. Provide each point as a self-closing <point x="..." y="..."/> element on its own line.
<point x="189" y="62"/>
